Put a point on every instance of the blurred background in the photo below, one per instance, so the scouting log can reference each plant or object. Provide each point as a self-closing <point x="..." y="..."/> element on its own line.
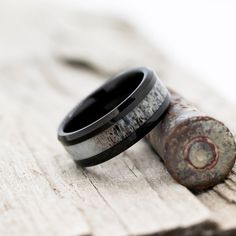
<point x="200" y="36"/>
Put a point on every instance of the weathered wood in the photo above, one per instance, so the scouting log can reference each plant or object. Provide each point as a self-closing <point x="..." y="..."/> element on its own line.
<point x="109" y="195"/>
<point x="42" y="191"/>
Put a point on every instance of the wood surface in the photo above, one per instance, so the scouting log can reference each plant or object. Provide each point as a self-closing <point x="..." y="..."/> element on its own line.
<point x="51" y="57"/>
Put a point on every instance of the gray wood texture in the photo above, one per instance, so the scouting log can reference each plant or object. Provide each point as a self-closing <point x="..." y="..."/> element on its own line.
<point x="51" y="58"/>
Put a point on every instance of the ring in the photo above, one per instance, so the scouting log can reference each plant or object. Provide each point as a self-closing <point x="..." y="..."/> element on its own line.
<point x="114" y="117"/>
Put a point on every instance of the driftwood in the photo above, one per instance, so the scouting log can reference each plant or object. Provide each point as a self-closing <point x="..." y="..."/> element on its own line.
<point x="51" y="58"/>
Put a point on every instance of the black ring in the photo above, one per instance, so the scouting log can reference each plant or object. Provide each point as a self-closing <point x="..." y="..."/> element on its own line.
<point x="114" y="117"/>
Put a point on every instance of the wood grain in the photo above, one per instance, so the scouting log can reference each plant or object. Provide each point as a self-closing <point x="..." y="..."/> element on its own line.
<point x="54" y="58"/>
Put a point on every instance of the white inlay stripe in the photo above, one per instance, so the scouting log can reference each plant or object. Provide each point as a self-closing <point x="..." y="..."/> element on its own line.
<point x="122" y="128"/>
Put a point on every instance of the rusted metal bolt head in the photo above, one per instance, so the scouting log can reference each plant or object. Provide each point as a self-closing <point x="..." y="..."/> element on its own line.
<point x="201" y="153"/>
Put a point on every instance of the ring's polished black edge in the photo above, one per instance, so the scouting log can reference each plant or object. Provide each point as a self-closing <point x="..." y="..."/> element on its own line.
<point x="129" y="141"/>
<point x="147" y="83"/>
<point x="114" y="117"/>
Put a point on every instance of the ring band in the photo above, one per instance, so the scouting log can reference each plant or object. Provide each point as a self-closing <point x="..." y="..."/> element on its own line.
<point x="114" y="117"/>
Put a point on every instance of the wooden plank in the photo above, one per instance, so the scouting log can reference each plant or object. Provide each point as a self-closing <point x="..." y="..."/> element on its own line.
<point x="109" y="195"/>
<point x="42" y="191"/>
<point x="30" y="204"/>
<point x="63" y="177"/>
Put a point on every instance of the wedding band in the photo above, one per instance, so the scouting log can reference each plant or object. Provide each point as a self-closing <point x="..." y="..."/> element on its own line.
<point x="114" y="117"/>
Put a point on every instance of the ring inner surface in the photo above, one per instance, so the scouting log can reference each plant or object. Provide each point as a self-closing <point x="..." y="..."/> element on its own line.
<point x="103" y="101"/>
